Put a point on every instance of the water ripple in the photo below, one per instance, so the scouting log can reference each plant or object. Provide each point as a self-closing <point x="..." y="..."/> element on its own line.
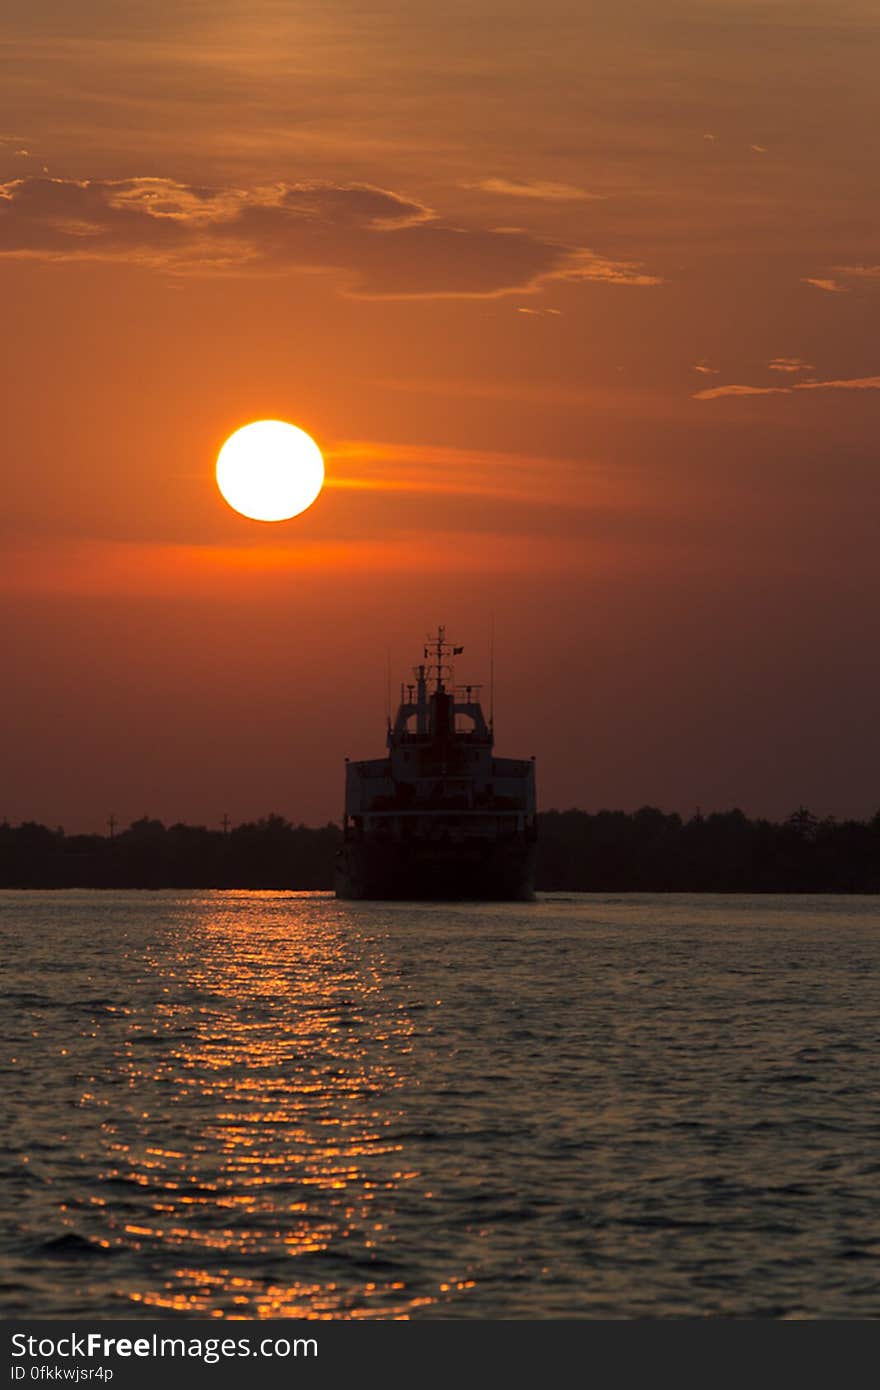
<point x="267" y="1104"/>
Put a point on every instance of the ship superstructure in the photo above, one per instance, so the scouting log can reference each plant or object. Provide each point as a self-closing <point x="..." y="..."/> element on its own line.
<point x="440" y="816"/>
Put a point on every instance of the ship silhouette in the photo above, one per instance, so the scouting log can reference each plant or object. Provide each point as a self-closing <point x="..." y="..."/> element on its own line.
<point x="440" y="816"/>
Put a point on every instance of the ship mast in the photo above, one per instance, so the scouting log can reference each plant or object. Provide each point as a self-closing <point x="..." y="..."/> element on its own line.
<point x="440" y="650"/>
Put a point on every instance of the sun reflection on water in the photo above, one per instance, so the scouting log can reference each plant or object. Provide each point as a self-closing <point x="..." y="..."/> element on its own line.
<point x="255" y="1128"/>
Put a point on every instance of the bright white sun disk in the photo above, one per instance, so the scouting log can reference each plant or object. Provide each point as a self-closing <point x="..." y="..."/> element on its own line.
<point x="270" y="471"/>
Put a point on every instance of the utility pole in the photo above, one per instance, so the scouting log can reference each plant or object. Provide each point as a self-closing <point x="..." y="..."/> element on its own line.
<point x="111" y="821"/>
<point x="225" y="824"/>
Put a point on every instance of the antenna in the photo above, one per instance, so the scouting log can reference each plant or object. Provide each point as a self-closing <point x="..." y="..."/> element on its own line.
<point x="439" y="653"/>
<point x="492" y="671"/>
<point x="388" y="687"/>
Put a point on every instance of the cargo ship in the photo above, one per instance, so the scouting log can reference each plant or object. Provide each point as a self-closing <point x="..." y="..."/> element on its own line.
<point x="440" y="817"/>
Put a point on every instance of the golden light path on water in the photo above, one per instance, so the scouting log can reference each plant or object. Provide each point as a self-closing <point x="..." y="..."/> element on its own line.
<point x="260" y="1100"/>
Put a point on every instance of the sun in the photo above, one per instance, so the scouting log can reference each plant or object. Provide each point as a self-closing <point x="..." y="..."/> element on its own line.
<point x="270" y="470"/>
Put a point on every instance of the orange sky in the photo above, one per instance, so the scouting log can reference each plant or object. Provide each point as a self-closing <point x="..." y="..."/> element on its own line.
<point x="579" y="300"/>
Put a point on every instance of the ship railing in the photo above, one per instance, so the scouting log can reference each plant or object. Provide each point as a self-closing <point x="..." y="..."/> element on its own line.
<point x="500" y="806"/>
<point x="408" y="737"/>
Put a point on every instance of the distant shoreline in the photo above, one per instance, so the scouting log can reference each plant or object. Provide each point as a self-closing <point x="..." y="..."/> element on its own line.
<point x="646" y="851"/>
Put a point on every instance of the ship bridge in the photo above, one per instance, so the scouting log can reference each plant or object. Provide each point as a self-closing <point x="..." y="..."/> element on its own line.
<point x="440" y="773"/>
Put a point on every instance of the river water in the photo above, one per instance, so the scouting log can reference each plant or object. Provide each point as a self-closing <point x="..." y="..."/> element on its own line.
<point x="262" y="1104"/>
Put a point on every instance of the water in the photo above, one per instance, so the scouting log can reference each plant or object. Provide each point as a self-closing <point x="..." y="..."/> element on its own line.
<point x="262" y="1105"/>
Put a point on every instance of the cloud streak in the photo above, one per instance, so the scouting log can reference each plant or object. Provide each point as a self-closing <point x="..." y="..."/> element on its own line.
<point x="844" y="278"/>
<point x="375" y="242"/>
<point x="541" y="189"/>
<point x="829" y="286"/>
<point x="789" y="365"/>
<point x="358" y="463"/>
<point x="859" y="383"/>
<point x="714" y="393"/>
<point x="858" y="272"/>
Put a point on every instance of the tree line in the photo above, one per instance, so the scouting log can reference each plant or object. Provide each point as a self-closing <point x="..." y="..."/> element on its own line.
<point x="578" y="851"/>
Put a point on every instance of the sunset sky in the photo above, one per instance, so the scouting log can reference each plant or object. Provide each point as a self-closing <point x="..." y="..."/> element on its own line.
<point x="581" y="303"/>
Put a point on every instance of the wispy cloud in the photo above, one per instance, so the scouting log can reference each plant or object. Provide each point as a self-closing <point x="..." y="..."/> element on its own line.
<point x="368" y="465"/>
<point x="858" y="272"/>
<point x="541" y="189"/>
<point x="714" y="393"/>
<point x="845" y="278"/>
<point x="790" y="365"/>
<point x="583" y="264"/>
<point x="704" y="369"/>
<point x="830" y="286"/>
<point x="859" y="383"/>
<point x="376" y="242"/>
<point x="160" y="569"/>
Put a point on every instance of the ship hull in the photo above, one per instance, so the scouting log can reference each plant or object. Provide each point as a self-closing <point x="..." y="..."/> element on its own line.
<point x="436" y="872"/>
